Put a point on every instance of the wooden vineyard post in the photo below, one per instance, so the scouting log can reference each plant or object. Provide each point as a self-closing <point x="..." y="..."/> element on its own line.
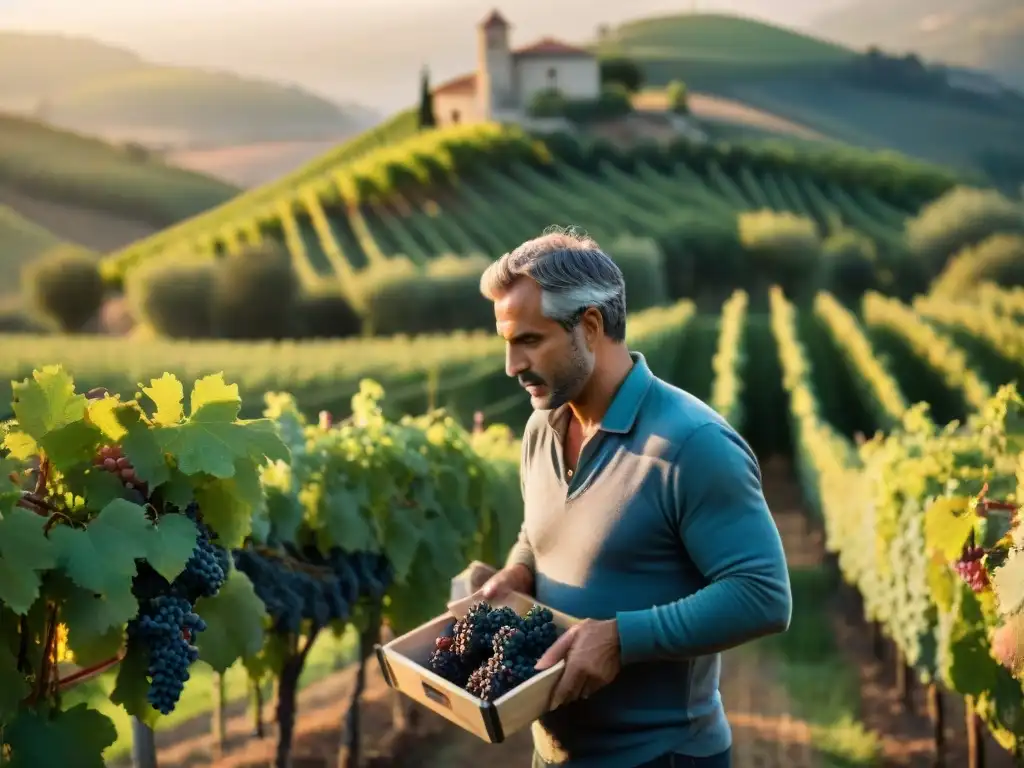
<point x="143" y="745"/>
<point x="936" y="715"/>
<point x="904" y="685"/>
<point x="975" y="742"/>
<point x="257" y="707"/>
<point x="877" y="641"/>
<point x="219" y="716"/>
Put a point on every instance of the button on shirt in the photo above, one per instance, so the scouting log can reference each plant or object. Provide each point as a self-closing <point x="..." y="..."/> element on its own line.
<point x="663" y="526"/>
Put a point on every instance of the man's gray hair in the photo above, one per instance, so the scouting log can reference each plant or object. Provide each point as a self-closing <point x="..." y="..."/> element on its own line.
<point x="573" y="273"/>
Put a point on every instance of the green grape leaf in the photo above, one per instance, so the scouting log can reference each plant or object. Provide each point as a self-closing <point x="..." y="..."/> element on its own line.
<point x="284" y="515"/>
<point x="942" y="583"/>
<point x="104" y="413"/>
<point x="91" y="618"/>
<point x="970" y="668"/>
<point x="139" y="443"/>
<point x="101" y="487"/>
<point x="167" y="394"/>
<point x="74" y="738"/>
<point x="171" y="543"/>
<point x="131" y="687"/>
<point x="13" y="686"/>
<point x="947" y="524"/>
<point x="228" y="505"/>
<point x="47" y="402"/>
<point x="1008" y="582"/>
<point x="234" y="623"/>
<point x="340" y="521"/>
<point x="442" y="542"/>
<point x="71" y="445"/>
<point x="52" y="417"/>
<point x="25" y="552"/>
<point x="19" y="445"/>
<point x="212" y="439"/>
<point x="402" y="536"/>
<point x="101" y="558"/>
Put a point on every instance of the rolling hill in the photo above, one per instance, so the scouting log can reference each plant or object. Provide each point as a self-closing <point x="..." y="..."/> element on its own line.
<point x="803" y="79"/>
<point x="985" y="34"/>
<point x="88" y="192"/>
<point x="95" y="88"/>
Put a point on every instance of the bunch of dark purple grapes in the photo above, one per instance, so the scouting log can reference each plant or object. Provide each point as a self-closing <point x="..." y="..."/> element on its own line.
<point x="492" y="650"/>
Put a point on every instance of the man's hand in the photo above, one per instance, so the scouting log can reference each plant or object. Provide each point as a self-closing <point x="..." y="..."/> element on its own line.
<point x="517" y="578"/>
<point x="592" y="660"/>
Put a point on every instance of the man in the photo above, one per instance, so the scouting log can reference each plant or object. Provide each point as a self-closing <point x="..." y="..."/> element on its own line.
<point x="644" y="516"/>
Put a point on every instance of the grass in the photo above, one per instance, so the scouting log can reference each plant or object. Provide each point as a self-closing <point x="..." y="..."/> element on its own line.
<point x="68" y="168"/>
<point x="328" y="654"/>
<point x="823" y="689"/>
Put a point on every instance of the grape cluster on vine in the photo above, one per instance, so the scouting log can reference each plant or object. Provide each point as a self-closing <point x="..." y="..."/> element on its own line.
<point x="166" y="625"/>
<point x="971" y="568"/>
<point x="297" y="585"/>
<point x="111" y="458"/>
<point x="490" y="650"/>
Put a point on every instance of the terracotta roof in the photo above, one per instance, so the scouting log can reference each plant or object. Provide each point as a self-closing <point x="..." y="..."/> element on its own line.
<point x="494" y="19"/>
<point x="465" y="84"/>
<point x="549" y="46"/>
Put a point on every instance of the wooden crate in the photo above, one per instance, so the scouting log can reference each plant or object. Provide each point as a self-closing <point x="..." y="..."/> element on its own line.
<point x="403" y="664"/>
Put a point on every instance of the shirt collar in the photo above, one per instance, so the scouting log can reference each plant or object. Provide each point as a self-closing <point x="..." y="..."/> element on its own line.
<point x="625" y="406"/>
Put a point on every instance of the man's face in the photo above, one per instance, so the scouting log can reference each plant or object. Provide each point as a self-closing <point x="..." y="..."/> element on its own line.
<point x="551" y="363"/>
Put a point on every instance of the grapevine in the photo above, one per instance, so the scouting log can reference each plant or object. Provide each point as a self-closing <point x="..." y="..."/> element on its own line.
<point x="360" y="532"/>
<point x="115" y="521"/>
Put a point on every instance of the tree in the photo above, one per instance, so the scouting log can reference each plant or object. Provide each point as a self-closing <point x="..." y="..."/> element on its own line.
<point x="623" y="71"/>
<point x="426" y="116"/>
<point x="676" y="94"/>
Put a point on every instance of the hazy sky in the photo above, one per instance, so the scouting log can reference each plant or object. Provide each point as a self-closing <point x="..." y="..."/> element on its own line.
<point x="363" y="50"/>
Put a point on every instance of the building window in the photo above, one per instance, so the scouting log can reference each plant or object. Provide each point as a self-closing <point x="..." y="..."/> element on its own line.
<point x="552" y="77"/>
<point x="455" y="116"/>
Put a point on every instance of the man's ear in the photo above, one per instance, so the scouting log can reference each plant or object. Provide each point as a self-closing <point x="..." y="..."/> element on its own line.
<point x="593" y="327"/>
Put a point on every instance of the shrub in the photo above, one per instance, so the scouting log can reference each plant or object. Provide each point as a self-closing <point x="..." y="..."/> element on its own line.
<point x="173" y="298"/>
<point x="643" y="268"/>
<point x="849" y="265"/>
<point x="677" y="96"/>
<point x="613" y="101"/>
<point x="548" y="102"/>
<point x="622" y="72"/>
<point x="784" y="248"/>
<point x="254" y="295"/>
<point x="702" y="253"/>
<point x="997" y="259"/>
<point x="64" y="285"/>
<point x="440" y="297"/>
<point x="327" y="313"/>
<point x="960" y="218"/>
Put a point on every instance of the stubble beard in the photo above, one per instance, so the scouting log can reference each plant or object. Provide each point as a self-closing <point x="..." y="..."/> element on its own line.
<point x="569" y="384"/>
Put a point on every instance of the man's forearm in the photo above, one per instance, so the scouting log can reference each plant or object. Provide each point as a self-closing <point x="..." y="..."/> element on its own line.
<point x="722" y="615"/>
<point x="521" y="552"/>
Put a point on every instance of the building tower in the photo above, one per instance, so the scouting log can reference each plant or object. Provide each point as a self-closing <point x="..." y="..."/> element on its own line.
<point x="495" y="68"/>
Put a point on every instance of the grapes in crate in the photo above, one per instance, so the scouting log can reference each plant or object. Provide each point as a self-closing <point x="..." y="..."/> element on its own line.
<point x="490" y="650"/>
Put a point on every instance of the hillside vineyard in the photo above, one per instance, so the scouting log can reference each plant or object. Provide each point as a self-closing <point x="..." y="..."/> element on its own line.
<point x="485" y="188"/>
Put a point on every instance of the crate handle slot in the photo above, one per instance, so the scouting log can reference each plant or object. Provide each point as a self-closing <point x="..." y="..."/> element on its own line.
<point x="435" y="695"/>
